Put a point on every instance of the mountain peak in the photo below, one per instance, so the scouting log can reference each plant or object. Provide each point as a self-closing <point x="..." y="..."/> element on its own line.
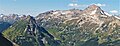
<point x="93" y="6"/>
<point x="31" y="19"/>
<point x="94" y="9"/>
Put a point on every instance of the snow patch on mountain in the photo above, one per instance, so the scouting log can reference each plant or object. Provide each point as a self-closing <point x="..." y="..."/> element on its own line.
<point x="117" y="17"/>
<point x="55" y="12"/>
<point x="93" y="12"/>
<point x="107" y="14"/>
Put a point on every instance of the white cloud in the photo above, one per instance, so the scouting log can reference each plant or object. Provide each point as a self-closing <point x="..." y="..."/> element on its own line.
<point x="98" y="4"/>
<point x="77" y="5"/>
<point x="114" y="11"/>
<point x="85" y="5"/>
<point x="73" y="5"/>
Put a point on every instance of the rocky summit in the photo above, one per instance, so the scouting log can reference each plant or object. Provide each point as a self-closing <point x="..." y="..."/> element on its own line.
<point x="89" y="27"/>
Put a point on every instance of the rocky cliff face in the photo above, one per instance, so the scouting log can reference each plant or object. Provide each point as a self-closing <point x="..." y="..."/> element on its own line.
<point x="28" y="33"/>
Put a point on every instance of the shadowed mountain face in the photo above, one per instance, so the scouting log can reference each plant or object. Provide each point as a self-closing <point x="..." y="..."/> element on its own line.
<point x="4" y="41"/>
<point x="28" y="33"/>
<point x="4" y="25"/>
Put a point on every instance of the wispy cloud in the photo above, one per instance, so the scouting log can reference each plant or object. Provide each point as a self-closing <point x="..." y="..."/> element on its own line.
<point x="98" y="4"/>
<point x="114" y="11"/>
<point x="73" y="5"/>
<point x="77" y="5"/>
<point x="85" y="5"/>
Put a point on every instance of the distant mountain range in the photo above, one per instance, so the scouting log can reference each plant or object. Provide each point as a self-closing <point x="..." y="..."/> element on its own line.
<point x="89" y="27"/>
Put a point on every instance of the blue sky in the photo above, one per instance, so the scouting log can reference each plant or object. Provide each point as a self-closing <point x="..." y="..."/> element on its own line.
<point x="34" y="7"/>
